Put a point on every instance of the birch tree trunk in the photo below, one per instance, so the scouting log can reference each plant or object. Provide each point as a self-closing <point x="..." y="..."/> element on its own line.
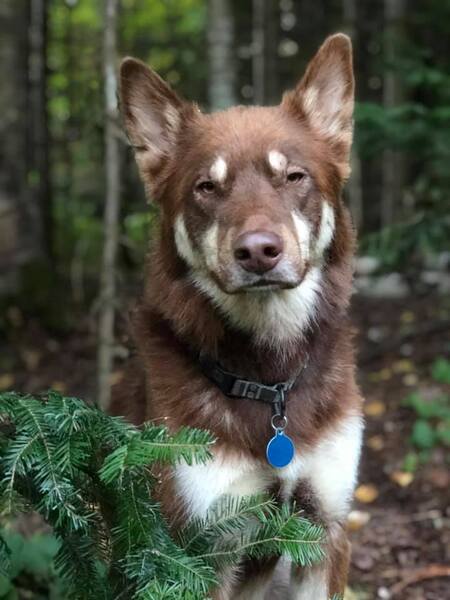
<point x="112" y="205"/>
<point x="354" y="185"/>
<point x="222" y="73"/>
<point x="392" y="161"/>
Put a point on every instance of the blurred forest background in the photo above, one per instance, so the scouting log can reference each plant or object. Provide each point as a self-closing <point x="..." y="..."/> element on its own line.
<point x="74" y="225"/>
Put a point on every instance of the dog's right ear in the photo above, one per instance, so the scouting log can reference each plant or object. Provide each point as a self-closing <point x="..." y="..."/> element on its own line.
<point x="151" y="112"/>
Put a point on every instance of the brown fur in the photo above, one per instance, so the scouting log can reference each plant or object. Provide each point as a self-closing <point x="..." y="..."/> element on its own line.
<point x="175" y="321"/>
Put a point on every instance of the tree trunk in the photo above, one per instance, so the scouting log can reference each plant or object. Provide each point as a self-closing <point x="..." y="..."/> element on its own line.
<point x="354" y="186"/>
<point x="271" y="32"/>
<point x="18" y="233"/>
<point x="112" y="205"/>
<point x="222" y="76"/>
<point x="392" y="162"/>
<point x="259" y="52"/>
<point x="40" y="204"/>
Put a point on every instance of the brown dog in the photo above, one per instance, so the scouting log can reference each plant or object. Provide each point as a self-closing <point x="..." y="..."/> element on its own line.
<point x="248" y="285"/>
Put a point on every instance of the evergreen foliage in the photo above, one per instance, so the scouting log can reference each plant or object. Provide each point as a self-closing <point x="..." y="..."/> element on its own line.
<point x="90" y="476"/>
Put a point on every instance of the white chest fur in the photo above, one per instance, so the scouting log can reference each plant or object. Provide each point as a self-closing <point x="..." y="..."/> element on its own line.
<point x="330" y="468"/>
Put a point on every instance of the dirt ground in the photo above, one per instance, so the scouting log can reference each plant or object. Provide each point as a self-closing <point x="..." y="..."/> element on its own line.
<point x="400" y="524"/>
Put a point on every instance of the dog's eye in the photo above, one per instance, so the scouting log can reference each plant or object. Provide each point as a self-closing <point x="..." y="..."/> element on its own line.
<point x="295" y="176"/>
<point x="207" y="187"/>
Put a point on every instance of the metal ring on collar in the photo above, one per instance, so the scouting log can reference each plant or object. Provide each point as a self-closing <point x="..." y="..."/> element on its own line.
<point x="281" y="424"/>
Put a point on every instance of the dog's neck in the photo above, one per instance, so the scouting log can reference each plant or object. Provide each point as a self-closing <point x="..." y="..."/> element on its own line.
<point x="192" y="321"/>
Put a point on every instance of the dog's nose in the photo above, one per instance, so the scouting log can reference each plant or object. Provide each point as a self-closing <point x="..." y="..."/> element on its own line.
<point x="258" y="251"/>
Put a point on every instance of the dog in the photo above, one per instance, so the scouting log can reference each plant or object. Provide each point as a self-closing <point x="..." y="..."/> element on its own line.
<point x="243" y="325"/>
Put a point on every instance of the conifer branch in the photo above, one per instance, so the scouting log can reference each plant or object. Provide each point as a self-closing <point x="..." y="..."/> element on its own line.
<point x="89" y="476"/>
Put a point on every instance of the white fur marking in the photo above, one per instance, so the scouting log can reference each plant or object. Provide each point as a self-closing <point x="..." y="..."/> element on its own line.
<point x="303" y="230"/>
<point x="331" y="467"/>
<point x="326" y="230"/>
<point x="277" y="161"/>
<point x="211" y="247"/>
<point x="273" y="317"/>
<point x="183" y="243"/>
<point x="201" y="485"/>
<point x="218" y="170"/>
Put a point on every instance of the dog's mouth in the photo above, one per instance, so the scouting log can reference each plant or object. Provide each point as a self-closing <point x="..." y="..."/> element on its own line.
<point x="235" y="283"/>
<point x="262" y="285"/>
<point x="266" y="285"/>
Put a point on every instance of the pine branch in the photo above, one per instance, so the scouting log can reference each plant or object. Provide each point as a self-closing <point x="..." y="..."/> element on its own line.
<point x="156" y="444"/>
<point x="89" y="475"/>
<point x="226" y="517"/>
<point x="278" y="532"/>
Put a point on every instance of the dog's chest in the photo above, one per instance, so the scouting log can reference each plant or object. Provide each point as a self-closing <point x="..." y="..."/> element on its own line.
<point x="329" y="468"/>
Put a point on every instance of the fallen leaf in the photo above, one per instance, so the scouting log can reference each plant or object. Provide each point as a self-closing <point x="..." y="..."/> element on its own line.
<point x="366" y="493"/>
<point x="375" y="408"/>
<point x="410" y="379"/>
<point x="407" y="317"/>
<point x="31" y="359"/>
<point x="6" y="381"/>
<point x="357" y="519"/>
<point x="350" y="594"/>
<point x="376" y="442"/>
<point x="403" y="366"/>
<point x="402" y="478"/>
<point x="59" y="386"/>
<point x="383" y="375"/>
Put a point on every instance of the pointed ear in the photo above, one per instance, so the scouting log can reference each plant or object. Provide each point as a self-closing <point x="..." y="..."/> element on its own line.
<point x="152" y="114"/>
<point x="325" y="95"/>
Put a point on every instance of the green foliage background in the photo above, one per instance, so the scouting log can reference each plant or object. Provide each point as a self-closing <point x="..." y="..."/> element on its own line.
<point x="171" y="37"/>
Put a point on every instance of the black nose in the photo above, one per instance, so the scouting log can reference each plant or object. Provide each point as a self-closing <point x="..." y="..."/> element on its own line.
<point x="258" y="251"/>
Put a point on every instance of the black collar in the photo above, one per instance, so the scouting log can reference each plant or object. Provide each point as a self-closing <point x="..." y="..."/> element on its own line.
<point x="234" y="386"/>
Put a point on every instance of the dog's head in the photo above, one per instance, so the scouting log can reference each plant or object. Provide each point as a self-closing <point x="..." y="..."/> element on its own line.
<point x="250" y="194"/>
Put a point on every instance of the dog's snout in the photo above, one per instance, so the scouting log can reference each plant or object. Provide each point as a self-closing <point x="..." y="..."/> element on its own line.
<point x="258" y="251"/>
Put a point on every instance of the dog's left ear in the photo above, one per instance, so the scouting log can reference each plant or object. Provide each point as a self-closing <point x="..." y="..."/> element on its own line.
<point x="325" y="95"/>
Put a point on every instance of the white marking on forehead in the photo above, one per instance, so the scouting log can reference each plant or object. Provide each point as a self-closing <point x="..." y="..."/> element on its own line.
<point x="303" y="229"/>
<point x="277" y="161"/>
<point x="326" y="230"/>
<point x="218" y="170"/>
<point x="183" y="243"/>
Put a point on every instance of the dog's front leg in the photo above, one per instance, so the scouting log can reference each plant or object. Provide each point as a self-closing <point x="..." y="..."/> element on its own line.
<point x="248" y="581"/>
<point x="255" y="578"/>
<point x="323" y="581"/>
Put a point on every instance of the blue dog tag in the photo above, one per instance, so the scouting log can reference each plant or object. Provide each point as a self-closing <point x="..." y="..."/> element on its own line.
<point x="280" y="450"/>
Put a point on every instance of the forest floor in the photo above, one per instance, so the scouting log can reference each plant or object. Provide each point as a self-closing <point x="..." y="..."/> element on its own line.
<point x="400" y="523"/>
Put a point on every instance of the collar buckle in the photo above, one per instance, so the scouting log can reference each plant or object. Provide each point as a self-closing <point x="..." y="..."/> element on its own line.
<point x="246" y="389"/>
